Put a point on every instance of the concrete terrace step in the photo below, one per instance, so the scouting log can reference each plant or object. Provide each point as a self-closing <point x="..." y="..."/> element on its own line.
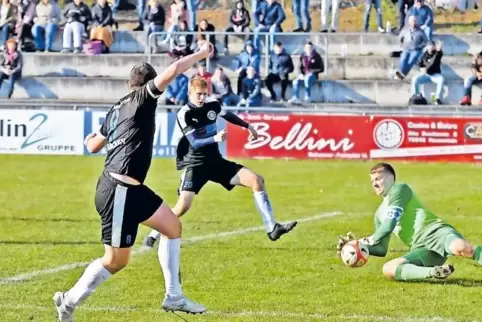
<point x="119" y="65"/>
<point x="111" y="89"/>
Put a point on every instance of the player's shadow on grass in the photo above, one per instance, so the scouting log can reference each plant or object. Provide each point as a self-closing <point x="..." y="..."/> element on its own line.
<point x="47" y="242"/>
<point x="464" y="282"/>
<point x="48" y="219"/>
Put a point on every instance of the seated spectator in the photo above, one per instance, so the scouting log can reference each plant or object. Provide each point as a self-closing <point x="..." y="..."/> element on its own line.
<point x="248" y="57"/>
<point x="25" y="20"/>
<point x="222" y="90"/>
<point x="424" y="17"/>
<point x="181" y="44"/>
<point x="311" y="65"/>
<point x="46" y="24"/>
<point x="102" y="24"/>
<point x="176" y="93"/>
<point x="203" y="28"/>
<point x="268" y="17"/>
<point x="413" y="41"/>
<point x="155" y="16"/>
<point x="203" y="73"/>
<point x="366" y="18"/>
<point x="239" y="22"/>
<point x="8" y="19"/>
<point x="430" y="70"/>
<point x="251" y="93"/>
<point x="78" y="18"/>
<point x="280" y="66"/>
<point x="11" y="66"/>
<point x="302" y="7"/>
<point x="475" y="79"/>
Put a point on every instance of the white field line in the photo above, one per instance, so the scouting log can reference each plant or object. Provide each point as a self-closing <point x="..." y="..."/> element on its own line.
<point x="143" y="249"/>
<point x="299" y="316"/>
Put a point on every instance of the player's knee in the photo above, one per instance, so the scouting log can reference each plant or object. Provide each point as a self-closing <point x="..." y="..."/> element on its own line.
<point x="258" y="183"/>
<point x="389" y="270"/>
<point x="181" y="208"/>
<point x="115" y="263"/>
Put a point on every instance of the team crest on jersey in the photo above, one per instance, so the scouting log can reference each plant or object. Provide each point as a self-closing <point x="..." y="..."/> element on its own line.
<point x="212" y="115"/>
<point x="394" y="213"/>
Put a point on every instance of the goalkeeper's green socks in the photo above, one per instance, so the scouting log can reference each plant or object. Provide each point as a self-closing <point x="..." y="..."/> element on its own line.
<point x="478" y="254"/>
<point x="409" y="272"/>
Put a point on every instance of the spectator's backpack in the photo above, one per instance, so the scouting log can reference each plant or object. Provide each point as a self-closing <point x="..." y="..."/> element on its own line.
<point x="417" y="99"/>
<point x="94" y="47"/>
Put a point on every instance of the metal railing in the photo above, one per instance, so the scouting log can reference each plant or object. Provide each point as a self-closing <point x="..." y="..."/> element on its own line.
<point x="268" y="43"/>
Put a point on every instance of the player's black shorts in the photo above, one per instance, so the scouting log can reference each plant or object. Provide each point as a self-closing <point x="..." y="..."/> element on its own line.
<point x="122" y="207"/>
<point x="194" y="178"/>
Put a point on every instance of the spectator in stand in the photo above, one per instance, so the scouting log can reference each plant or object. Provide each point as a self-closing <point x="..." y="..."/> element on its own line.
<point x="11" y="66"/>
<point x="238" y="23"/>
<point x="413" y="41"/>
<point x="403" y="7"/>
<point x="155" y="17"/>
<point x="280" y="66"/>
<point x="268" y="17"/>
<point x="78" y="18"/>
<point x="46" y="24"/>
<point x="424" y="17"/>
<point x="335" y="14"/>
<point x="480" y="31"/>
<point x="475" y="79"/>
<point x="248" y="57"/>
<point x="311" y="65"/>
<point x="251" y="93"/>
<point x="8" y="19"/>
<point x="302" y="7"/>
<point x="25" y="20"/>
<point x="430" y="70"/>
<point x="203" y="73"/>
<point x="176" y="14"/>
<point x="181" y="44"/>
<point x="368" y="8"/>
<point x="176" y="93"/>
<point x="222" y="90"/>
<point x="203" y="28"/>
<point x="191" y="6"/>
<point x="102" y="24"/>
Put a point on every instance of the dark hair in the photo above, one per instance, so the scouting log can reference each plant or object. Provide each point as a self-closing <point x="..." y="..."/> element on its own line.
<point x="279" y="44"/>
<point x="141" y="74"/>
<point x="384" y="167"/>
<point x="309" y="43"/>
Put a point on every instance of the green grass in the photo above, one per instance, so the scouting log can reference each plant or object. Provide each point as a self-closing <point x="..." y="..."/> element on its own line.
<point x="48" y="219"/>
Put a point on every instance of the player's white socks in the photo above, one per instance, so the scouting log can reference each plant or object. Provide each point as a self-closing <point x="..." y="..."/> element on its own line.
<point x="264" y="207"/>
<point x="169" y="257"/>
<point x="154" y="234"/>
<point x="94" y="275"/>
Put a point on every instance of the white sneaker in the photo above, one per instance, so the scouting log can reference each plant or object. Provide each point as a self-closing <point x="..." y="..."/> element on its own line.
<point x="182" y="304"/>
<point x="295" y="100"/>
<point x="65" y="312"/>
<point x="442" y="272"/>
<point x="307" y="99"/>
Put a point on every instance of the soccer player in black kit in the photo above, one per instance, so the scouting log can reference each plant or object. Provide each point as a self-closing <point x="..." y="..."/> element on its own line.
<point x="122" y="200"/>
<point x="198" y="155"/>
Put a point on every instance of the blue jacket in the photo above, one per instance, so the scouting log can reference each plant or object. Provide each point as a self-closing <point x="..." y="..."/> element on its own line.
<point x="178" y="88"/>
<point x="273" y="14"/>
<point x="252" y="91"/>
<point x="245" y="60"/>
<point x="281" y="64"/>
<point x="424" y="15"/>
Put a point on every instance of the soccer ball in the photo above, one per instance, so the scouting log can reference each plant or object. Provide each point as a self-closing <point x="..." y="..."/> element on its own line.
<point x="354" y="254"/>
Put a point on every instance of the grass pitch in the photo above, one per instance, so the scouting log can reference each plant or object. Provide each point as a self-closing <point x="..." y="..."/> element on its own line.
<point x="48" y="220"/>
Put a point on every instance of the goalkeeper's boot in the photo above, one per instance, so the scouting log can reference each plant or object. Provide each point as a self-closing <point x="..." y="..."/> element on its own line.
<point x="64" y="311"/>
<point x="279" y="230"/>
<point x="442" y="272"/>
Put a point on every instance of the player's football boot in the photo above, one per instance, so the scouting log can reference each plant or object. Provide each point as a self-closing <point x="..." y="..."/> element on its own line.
<point x="149" y="241"/>
<point x="182" y="304"/>
<point x="279" y="230"/>
<point x="65" y="312"/>
<point x="444" y="271"/>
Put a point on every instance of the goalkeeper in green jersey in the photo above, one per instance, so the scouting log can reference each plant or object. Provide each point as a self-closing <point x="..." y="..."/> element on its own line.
<point x="430" y="239"/>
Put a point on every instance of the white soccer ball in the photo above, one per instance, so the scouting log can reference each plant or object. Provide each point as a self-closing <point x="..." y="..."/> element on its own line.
<point x="354" y="254"/>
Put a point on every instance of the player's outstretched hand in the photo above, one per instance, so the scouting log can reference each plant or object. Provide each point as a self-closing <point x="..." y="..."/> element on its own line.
<point x="342" y="240"/>
<point x="220" y="136"/>
<point x="253" y="135"/>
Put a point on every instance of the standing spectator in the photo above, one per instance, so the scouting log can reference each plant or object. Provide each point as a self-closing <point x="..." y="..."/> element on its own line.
<point x="25" y="20"/>
<point x="46" y="24"/>
<point x="177" y="13"/>
<point x="222" y="90"/>
<point x="335" y="14"/>
<point x="11" y="66"/>
<point x="102" y="24"/>
<point x="251" y="94"/>
<point x="368" y="8"/>
<point x="204" y="28"/>
<point x="191" y="6"/>
<point x="302" y="7"/>
<point x="413" y="41"/>
<point x="238" y="23"/>
<point x="403" y="6"/>
<point x="475" y="79"/>
<point x="311" y="65"/>
<point x="176" y="93"/>
<point x="430" y="70"/>
<point x="280" y="66"/>
<point x="203" y="73"/>
<point x="78" y="17"/>
<point x="181" y="44"/>
<point x="8" y="19"/>
<point x="268" y="17"/>
<point x="424" y="17"/>
<point x="248" y="57"/>
<point x="155" y="17"/>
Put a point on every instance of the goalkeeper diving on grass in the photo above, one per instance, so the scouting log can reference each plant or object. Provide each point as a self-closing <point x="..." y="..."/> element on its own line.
<point x="430" y="239"/>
